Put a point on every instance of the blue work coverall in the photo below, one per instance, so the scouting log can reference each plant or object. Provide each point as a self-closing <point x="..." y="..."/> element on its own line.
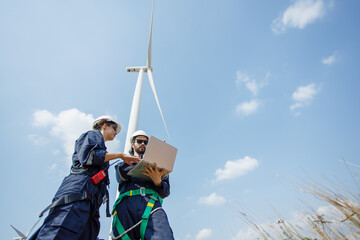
<point x="79" y="219"/>
<point x="131" y="209"/>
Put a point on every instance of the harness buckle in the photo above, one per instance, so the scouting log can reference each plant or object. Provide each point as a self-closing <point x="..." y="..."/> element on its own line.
<point x="142" y="191"/>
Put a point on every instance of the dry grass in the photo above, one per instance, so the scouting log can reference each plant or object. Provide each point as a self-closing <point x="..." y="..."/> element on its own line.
<point x="342" y="224"/>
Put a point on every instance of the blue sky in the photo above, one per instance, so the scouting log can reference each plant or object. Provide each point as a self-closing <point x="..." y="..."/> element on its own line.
<point x="254" y="93"/>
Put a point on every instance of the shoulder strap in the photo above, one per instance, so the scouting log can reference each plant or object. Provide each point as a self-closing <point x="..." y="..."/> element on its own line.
<point x="146" y="215"/>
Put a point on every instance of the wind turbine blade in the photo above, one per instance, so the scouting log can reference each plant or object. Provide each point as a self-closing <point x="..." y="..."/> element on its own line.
<point x="18" y="232"/>
<point x="151" y="81"/>
<point x="149" y="47"/>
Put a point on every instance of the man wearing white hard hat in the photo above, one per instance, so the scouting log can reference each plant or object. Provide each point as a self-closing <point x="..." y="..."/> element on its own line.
<point x="74" y="212"/>
<point x="141" y="200"/>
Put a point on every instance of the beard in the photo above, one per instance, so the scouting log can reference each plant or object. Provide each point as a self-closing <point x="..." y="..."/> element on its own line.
<point x="140" y="151"/>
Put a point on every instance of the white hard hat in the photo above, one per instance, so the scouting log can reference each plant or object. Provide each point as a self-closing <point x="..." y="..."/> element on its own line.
<point x="138" y="133"/>
<point x="108" y="119"/>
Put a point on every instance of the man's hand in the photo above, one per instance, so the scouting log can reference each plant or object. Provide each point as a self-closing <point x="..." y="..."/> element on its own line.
<point x="129" y="159"/>
<point x="154" y="174"/>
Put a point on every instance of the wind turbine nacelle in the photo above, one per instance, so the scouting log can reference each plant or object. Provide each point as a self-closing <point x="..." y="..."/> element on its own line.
<point x="137" y="69"/>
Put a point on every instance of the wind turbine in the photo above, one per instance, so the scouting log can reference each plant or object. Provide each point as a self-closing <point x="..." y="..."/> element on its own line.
<point x="135" y="109"/>
<point x="21" y="235"/>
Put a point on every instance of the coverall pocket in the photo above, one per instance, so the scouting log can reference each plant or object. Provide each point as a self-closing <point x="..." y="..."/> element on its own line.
<point x="72" y="217"/>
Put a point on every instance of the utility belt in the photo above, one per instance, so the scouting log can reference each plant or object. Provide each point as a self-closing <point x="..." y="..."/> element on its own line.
<point x="145" y="217"/>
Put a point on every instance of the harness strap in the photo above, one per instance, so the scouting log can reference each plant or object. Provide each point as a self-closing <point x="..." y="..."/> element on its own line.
<point x="66" y="200"/>
<point x="145" y="217"/>
<point x="106" y="200"/>
<point x="131" y="228"/>
<point x="120" y="228"/>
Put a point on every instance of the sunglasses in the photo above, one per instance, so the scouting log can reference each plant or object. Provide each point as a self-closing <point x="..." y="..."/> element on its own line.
<point x="140" y="141"/>
<point x="114" y="126"/>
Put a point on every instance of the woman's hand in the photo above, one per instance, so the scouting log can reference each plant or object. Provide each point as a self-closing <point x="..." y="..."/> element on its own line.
<point x="130" y="159"/>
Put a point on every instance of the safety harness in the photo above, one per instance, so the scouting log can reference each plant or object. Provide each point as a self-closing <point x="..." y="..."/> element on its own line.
<point x="145" y="217"/>
<point x="75" y="197"/>
<point x="103" y="183"/>
<point x="66" y="200"/>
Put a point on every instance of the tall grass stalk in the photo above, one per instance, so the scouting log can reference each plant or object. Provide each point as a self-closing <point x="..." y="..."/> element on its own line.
<point x="342" y="224"/>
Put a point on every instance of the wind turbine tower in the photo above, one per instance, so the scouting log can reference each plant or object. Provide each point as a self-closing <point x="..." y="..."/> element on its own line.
<point x="135" y="109"/>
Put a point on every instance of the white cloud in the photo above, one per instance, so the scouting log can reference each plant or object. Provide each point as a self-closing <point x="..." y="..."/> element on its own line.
<point x="329" y="60"/>
<point x="204" y="234"/>
<point x="212" y="200"/>
<point x="43" y="118"/>
<point x="248" y="108"/>
<point x="299" y="14"/>
<point x="251" y="84"/>
<point x="250" y="234"/>
<point x="67" y="126"/>
<point x="53" y="166"/>
<point x="304" y="95"/>
<point x="188" y="236"/>
<point x="237" y="168"/>
<point x="38" y="140"/>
